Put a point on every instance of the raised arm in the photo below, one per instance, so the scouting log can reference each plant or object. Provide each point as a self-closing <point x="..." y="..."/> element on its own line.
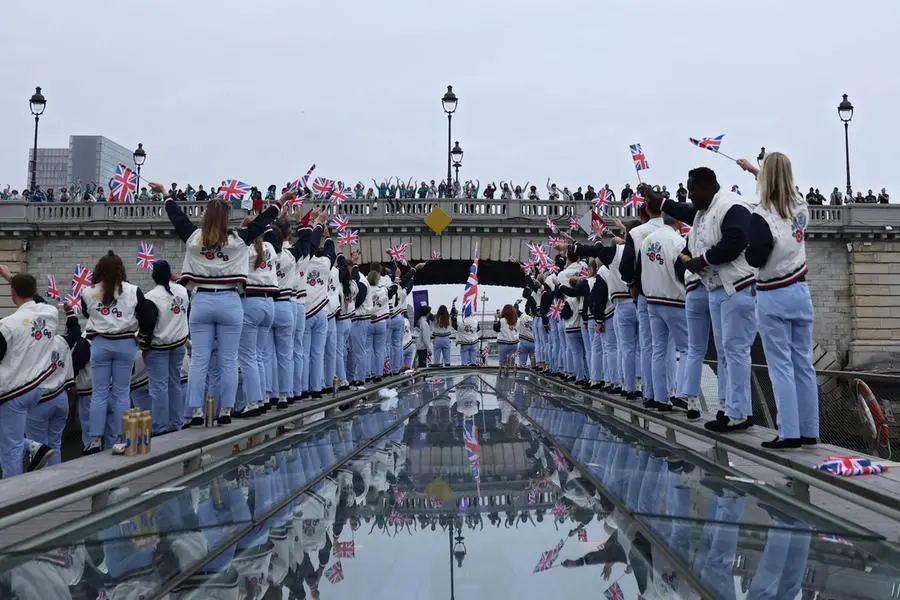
<point x="184" y="228"/>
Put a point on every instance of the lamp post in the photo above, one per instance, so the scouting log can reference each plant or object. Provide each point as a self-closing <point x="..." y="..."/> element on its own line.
<point x="139" y="157"/>
<point x="845" y="112"/>
<point x="761" y="156"/>
<point x="449" y="102"/>
<point x="37" y="103"/>
<point x="457" y="155"/>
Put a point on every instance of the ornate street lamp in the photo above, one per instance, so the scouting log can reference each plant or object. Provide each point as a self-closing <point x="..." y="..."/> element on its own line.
<point x="139" y="157"/>
<point x="449" y="102"/>
<point x="845" y="112"/>
<point x="37" y="103"/>
<point x="456" y="156"/>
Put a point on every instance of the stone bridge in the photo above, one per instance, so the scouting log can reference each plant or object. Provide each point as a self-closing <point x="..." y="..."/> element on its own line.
<point x="854" y="253"/>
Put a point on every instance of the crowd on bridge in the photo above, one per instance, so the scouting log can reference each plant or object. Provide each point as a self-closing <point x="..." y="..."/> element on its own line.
<point x="272" y="313"/>
<point x="394" y="188"/>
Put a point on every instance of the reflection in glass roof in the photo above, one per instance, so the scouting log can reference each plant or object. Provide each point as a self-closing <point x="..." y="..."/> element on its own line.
<point x="466" y="486"/>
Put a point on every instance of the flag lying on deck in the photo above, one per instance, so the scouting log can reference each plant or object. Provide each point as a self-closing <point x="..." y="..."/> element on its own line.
<point x="848" y="466"/>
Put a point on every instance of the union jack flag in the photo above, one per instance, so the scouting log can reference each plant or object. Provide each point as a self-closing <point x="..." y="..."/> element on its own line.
<point x="470" y="294"/>
<point x="684" y="229"/>
<point x="634" y="201"/>
<point x="582" y="535"/>
<point x="436" y="255"/>
<point x="400" y="253"/>
<point x="637" y="155"/>
<point x="551" y="225"/>
<point x="73" y="300"/>
<point x="340" y="223"/>
<point x="344" y="550"/>
<point x="614" y="592"/>
<point x="555" y="241"/>
<point x="304" y="181"/>
<point x="348" y="237"/>
<point x="341" y="195"/>
<point x="294" y="186"/>
<point x="395" y="518"/>
<point x="399" y="496"/>
<point x="560" y="509"/>
<point x="549" y="557"/>
<point x="527" y="265"/>
<point x="603" y="198"/>
<point x="711" y="144"/>
<point x="485" y="352"/>
<point x="124" y="184"/>
<point x="560" y="460"/>
<point x="473" y="448"/>
<point x="234" y="189"/>
<point x="573" y="224"/>
<point x="335" y="573"/>
<point x="297" y="200"/>
<point x="555" y="312"/>
<point x="532" y="497"/>
<point x="321" y="186"/>
<point x="81" y="280"/>
<point x="539" y="255"/>
<point x="145" y="256"/>
<point x="847" y="466"/>
<point x="52" y="290"/>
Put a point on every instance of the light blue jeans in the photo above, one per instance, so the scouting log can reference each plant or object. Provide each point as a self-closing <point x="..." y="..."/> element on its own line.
<point x="786" y="326"/>
<point x="467" y="354"/>
<point x="627" y="335"/>
<point x="526" y="349"/>
<point x="314" y="340"/>
<point x="359" y="348"/>
<point x="84" y="417"/>
<point x="597" y="355"/>
<point x="575" y="350"/>
<point x="696" y="309"/>
<point x="46" y="423"/>
<point x="396" y="343"/>
<point x="408" y="354"/>
<point x="164" y="387"/>
<point x="283" y="342"/>
<point x="330" y="360"/>
<point x="111" y="365"/>
<point x="441" y="352"/>
<point x="734" y="328"/>
<point x="259" y="314"/>
<point x="215" y="318"/>
<point x="300" y="350"/>
<point x="506" y="353"/>
<point x="377" y="344"/>
<point x="668" y="325"/>
<point x="565" y="364"/>
<point x="586" y="330"/>
<point x="612" y="366"/>
<point x="782" y="567"/>
<point x="342" y="328"/>
<point x="646" y="342"/>
<point x="268" y="365"/>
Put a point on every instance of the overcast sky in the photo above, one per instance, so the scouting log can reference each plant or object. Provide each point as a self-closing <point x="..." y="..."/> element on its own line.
<point x="259" y="90"/>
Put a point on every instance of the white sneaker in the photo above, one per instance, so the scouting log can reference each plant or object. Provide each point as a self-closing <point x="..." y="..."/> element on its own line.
<point x="693" y="411"/>
<point x="37" y="455"/>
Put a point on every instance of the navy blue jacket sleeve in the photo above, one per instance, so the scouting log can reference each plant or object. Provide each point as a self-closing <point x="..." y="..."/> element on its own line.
<point x="408" y="280"/>
<point x="329" y="251"/>
<point x="300" y="248"/>
<point x="599" y="298"/>
<point x="146" y="317"/>
<point x="2" y="346"/>
<point x="73" y="329"/>
<point x="274" y="239"/>
<point x="81" y="355"/>
<point x="734" y="237"/>
<point x="629" y="257"/>
<point x="606" y="254"/>
<point x="566" y="312"/>
<point x="184" y="228"/>
<point x="682" y="211"/>
<point x="258" y="225"/>
<point x="760" y="242"/>
<point x="679" y="270"/>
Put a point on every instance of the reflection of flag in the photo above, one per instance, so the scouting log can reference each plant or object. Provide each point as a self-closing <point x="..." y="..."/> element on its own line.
<point x="145" y="255"/>
<point x="473" y="448"/>
<point x="399" y="496"/>
<point x="582" y="535"/>
<point x="831" y="538"/>
<point x="560" y="509"/>
<point x="395" y="518"/>
<point x="549" y="557"/>
<point x="335" y="573"/>
<point x="470" y="294"/>
<point x="52" y="290"/>
<point x="344" y="550"/>
<point x="484" y="355"/>
<point x="81" y="280"/>
<point x="561" y="463"/>
<point x="614" y="592"/>
<point x="435" y="255"/>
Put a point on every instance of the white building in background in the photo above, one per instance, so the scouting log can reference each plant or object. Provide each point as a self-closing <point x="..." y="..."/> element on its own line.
<point x="88" y="158"/>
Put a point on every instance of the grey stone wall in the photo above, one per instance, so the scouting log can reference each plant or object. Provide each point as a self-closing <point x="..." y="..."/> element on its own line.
<point x="829" y="283"/>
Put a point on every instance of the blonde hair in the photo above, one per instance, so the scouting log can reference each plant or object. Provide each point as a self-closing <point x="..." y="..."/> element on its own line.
<point x="775" y="184"/>
<point x="214" y="227"/>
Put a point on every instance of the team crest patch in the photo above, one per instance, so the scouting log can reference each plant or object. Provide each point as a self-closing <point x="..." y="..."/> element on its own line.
<point x="654" y="253"/>
<point x="39" y="329"/>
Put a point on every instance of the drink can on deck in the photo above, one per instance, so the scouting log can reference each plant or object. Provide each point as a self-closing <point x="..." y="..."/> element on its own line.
<point x="146" y="430"/>
<point x="129" y="434"/>
<point x="209" y="416"/>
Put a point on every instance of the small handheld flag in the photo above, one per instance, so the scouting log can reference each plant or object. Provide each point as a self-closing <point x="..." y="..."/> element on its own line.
<point x="711" y="144"/>
<point x="573" y="224"/>
<point x="339" y="223"/>
<point x="436" y="255"/>
<point x="52" y="290"/>
<point x="124" y="184"/>
<point x="145" y="255"/>
<point x="340" y="195"/>
<point x="81" y="280"/>
<point x="639" y="158"/>
<point x="348" y="237"/>
<point x="233" y="190"/>
<point x="551" y="225"/>
<point x="335" y="573"/>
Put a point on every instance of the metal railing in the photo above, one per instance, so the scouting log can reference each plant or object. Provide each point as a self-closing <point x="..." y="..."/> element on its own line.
<point x="399" y="212"/>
